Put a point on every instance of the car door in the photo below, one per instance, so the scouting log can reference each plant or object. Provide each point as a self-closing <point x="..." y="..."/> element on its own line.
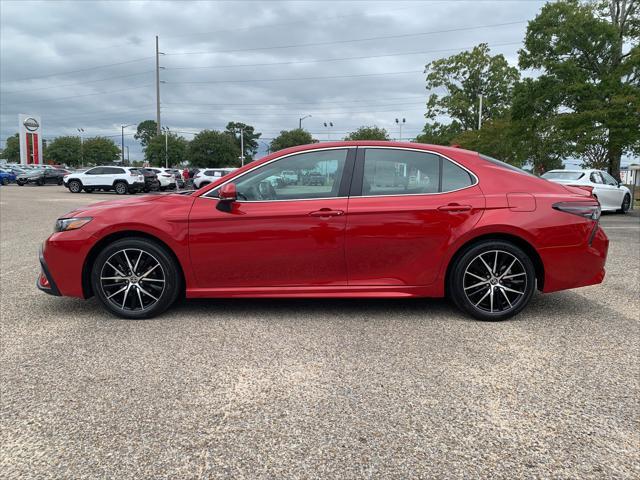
<point x="275" y="235"/>
<point x="405" y="207"/>
<point x="91" y="177"/>
<point x="614" y="193"/>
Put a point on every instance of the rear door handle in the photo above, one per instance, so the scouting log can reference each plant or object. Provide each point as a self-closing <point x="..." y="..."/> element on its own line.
<point x="326" y="212"/>
<point x="454" y="207"/>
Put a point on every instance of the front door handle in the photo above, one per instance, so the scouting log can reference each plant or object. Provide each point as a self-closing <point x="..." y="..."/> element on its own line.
<point x="326" y="212"/>
<point x="454" y="207"/>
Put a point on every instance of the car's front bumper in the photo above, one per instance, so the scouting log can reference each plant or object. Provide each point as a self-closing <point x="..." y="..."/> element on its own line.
<point x="45" y="281"/>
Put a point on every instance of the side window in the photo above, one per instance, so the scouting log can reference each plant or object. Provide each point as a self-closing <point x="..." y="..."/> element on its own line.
<point x="319" y="176"/>
<point x="400" y="172"/>
<point x="608" y="179"/>
<point x="454" y="177"/>
<point x="94" y="171"/>
<point x="112" y="171"/>
<point x="596" y="178"/>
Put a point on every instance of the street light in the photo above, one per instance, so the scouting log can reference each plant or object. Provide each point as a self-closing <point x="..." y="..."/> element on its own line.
<point x="300" y="120"/>
<point x="241" y="130"/>
<point x="328" y="126"/>
<point x="400" y="123"/>
<point x="122" y="140"/>
<point x="81" y="131"/>
<point x="166" y="146"/>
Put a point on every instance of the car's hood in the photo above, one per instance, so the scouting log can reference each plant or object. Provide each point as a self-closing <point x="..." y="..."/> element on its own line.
<point x="138" y="202"/>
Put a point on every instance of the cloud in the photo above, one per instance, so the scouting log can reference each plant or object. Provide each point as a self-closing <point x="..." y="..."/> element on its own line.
<point x="91" y="64"/>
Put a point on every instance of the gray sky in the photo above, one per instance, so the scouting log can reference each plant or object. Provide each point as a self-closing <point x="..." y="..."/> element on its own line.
<point x="91" y="64"/>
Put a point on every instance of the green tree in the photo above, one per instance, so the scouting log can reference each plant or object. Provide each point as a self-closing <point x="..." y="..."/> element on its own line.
<point x="291" y="138"/>
<point x="463" y="77"/>
<point x="496" y="138"/>
<point x="11" y="150"/>
<point x="368" y="133"/>
<point x="589" y="56"/>
<point x="100" y="151"/>
<point x="439" y="134"/>
<point x="250" y="138"/>
<point x="536" y="126"/>
<point x="154" y="152"/>
<point x="211" y="148"/>
<point x="146" y="131"/>
<point x="64" y="150"/>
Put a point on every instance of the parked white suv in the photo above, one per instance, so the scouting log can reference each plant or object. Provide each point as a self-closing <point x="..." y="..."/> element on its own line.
<point x="120" y="179"/>
<point x="210" y="175"/>
<point x="166" y="177"/>
<point x="612" y="195"/>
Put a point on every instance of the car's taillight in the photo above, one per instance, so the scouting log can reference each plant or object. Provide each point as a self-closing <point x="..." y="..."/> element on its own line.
<point x="588" y="210"/>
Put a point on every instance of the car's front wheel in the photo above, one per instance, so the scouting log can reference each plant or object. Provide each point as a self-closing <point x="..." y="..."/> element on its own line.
<point x="492" y="280"/>
<point x="626" y="204"/>
<point x="5" y="181"/>
<point x="135" y="278"/>
<point x="74" y="186"/>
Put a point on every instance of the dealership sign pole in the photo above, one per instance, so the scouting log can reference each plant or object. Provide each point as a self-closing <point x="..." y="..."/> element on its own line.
<point x="30" y="128"/>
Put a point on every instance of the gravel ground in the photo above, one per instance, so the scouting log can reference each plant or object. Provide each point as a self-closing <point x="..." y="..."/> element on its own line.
<point x="314" y="388"/>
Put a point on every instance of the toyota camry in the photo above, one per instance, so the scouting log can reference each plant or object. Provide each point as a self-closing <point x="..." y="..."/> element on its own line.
<point x="379" y="219"/>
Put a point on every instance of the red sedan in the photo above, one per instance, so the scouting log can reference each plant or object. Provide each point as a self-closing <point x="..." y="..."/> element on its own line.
<point x="357" y="219"/>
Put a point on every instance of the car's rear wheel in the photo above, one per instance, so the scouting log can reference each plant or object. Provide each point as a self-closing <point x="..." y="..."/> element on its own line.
<point x="40" y="182"/>
<point x="626" y="204"/>
<point x="20" y="184"/>
<point x="135" y="278"/>
<point x="121" y="188"/>
<point x="60" y="181"/>
<point x="492" y="280"/>
<point x="74" y="186"/>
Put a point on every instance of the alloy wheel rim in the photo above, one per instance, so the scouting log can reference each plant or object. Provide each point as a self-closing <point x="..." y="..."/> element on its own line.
<point x="132" y="279"/>
<point x="495" y="281"/>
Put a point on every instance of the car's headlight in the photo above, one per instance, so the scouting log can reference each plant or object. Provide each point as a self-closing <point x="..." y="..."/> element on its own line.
<point x="64" y="224"/>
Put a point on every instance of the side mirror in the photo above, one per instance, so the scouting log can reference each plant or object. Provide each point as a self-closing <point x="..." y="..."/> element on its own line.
<point x="228" y="193"/>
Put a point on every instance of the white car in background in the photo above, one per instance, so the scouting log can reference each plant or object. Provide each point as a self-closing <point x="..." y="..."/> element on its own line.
<point x="612" y="195"/>
<point x="166" y="177"/>
<point x="122" y="180"/>
<point x="210" y="175"/>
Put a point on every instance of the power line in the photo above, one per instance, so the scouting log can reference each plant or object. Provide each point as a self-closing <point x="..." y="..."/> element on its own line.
<point x="79" y="83"/>
<point x="293" y="113"/>
<point x="82" y="69"/>
<point x="290" y="103"/>
<point x="262" y="80"/>
<point x="79" y="96"/>
<point x="335" y="42"/>
<point x="361" y="57"/>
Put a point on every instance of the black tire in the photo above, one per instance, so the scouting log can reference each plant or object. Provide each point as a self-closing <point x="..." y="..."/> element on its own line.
<point x="88" y="190"/>
<point x="121" y="188"/>
<point x="497" y="300"/>
<point x="626" y="204"/>
<point x="74" y="186"/>
<point x="60" y="181"/>
<point x="40" y="182"/>
<point x="162" y="189"/>
<point x="20" y="184"/>
<point x="154" y="252"/>
<point x="5" y="181"/>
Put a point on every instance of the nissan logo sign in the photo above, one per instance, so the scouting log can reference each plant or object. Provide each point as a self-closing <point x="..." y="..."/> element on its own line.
<point x="31" y="124"/>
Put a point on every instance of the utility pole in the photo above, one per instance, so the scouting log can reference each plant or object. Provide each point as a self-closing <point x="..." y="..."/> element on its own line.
<point x="241" y="157"/>
<point x="81" y="131"/>
<point x="480" y="112"/>
<point x="122" y="144"/>
<point x="157" y="88"/>
<point x="128" y="159"/>
<point x="166" y="147"/>
<point x="400" y="123"/>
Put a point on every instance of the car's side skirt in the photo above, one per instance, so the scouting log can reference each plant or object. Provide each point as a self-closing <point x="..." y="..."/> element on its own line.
<point x="359" y="291"/>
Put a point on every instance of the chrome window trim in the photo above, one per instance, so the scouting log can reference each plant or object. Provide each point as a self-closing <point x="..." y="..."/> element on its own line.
<point x="412" y="149"/>
<point x="206" y="195"/>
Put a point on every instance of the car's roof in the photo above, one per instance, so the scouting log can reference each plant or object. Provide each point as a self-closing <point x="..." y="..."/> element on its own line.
<point x="573" y="170"/>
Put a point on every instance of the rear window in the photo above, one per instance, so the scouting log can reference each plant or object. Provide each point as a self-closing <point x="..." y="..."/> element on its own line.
<point x="505" y="165"/>
<point x="563" y="175"/>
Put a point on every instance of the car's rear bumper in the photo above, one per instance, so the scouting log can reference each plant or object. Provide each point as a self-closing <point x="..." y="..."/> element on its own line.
<point x="576" y="265"/>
